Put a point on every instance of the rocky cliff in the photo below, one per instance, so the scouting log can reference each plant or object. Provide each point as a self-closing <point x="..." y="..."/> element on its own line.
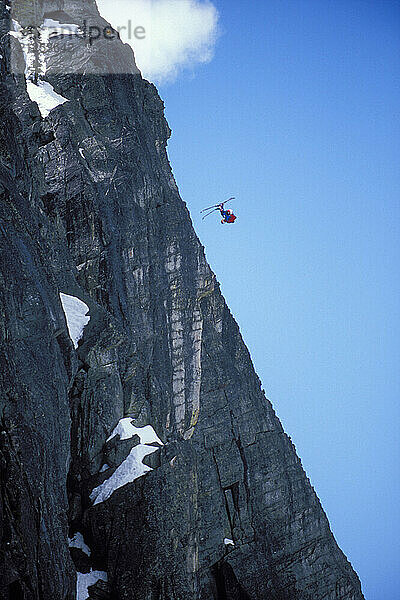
<point x="146" y="457"/>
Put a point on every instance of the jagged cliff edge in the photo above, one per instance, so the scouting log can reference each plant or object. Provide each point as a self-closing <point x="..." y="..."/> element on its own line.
<point x="150" y="443"/>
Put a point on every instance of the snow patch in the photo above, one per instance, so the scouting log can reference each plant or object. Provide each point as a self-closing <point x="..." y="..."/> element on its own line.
<point x="130" y="469"/>
<point x="56" y="28"/>
<point x="228" y="542"/>
<point x="75" y="313"/>
<point x="29" y="38"/>
<point x="78" y="542"/>
<point x="43" y="93"/>
<point x="104" y="468"/>
<point x="84" y="580"/>
<point x="126" y="430"/>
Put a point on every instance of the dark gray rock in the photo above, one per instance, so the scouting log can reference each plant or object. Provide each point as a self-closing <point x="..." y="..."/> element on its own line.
<point x="117" y="450"/>
<point x="100" y="591"/>
<point x="89" y="207"/>
<point x="82" y="561"/>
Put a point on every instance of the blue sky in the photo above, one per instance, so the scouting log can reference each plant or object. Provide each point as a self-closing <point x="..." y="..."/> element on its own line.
<point x="297" y="115"/>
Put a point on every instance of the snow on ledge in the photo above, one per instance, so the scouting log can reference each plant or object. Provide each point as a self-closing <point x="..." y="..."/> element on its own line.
<point x="132" y="467"/>
<point x="78" y="542"/>
<point x="56" y="28"/>
<point x="41" y="92"/>
<point x="126" y="430"/>
<point x="84" y="580"/>
<point x="75" y="313"/>
<point x="44" y="95"/>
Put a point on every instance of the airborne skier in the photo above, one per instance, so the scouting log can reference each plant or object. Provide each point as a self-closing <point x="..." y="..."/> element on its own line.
<point x="227" y="215"/>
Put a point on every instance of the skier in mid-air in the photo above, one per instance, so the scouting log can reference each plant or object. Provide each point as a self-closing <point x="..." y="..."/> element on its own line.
<point x="227" y="215"/>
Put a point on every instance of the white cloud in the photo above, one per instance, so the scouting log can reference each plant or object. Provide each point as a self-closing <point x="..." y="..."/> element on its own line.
<point x="178" y="33"/>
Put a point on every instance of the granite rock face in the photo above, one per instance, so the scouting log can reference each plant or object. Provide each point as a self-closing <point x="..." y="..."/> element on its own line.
<point x="89" y="208"/>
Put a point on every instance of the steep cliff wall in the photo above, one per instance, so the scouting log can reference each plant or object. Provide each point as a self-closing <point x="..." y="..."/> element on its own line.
<point x="89" y="208"/>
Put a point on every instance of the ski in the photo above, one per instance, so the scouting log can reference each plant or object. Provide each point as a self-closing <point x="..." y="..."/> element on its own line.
<point x="208" y="208"/>
<point x="216" y="205"/>
<point x="211" y="211"/>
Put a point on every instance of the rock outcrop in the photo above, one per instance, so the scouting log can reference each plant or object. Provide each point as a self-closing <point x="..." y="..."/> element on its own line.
<point x="208" y="502"/>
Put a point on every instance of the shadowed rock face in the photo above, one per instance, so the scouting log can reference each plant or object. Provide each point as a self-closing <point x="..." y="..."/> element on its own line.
<point x="89" y="207"/>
